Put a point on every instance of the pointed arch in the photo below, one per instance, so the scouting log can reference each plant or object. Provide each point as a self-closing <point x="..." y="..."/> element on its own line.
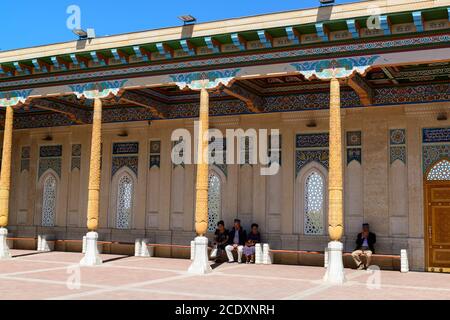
<point x="311" y="200"/>
<point x="439" y="171"/>
<point x="49" y="182"/>
<point x="123" y="200"/>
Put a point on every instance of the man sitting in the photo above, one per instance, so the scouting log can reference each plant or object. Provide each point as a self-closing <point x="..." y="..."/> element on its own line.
<point x="236" y="241"/>
<point x="364" y="247"/>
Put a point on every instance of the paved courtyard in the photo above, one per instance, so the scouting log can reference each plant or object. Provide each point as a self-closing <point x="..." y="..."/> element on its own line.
<point x="56" y="275"/>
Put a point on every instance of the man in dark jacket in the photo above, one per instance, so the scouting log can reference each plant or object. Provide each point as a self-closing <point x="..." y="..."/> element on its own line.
<point x="236" y="241"/>
<point x="364" y="247"/>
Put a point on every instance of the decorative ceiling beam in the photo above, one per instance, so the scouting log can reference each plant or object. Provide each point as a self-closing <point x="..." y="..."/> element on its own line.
<point x="21" y="68"/>
<point x="40" y="66"/>
<point x="389" y="74"/>
<point x="76" y="115"/>
<point x="353" y="28"/>
<point x="59" y="64"/>
<point x="79" y="62"/>
<point x="145" y="101"/>
<point x="239" y="41"/>
<point x="187" y="47"/>
<point x="98" y="58"/>
<point x="141" y="54"/>
<point x="362" y="88"/>
<point x="5" y="71"/>
<point x="265" y="38"/>
<point x="164" y="50"/>
<point x="385" y="25"/>
<point x="418" y="20"/>
<point x="212" y="44"/>
<point x="293" y="35"/>
<point x="321" y="31"/>
<point x="254" y="102"/>
<point x="119" y="56"/>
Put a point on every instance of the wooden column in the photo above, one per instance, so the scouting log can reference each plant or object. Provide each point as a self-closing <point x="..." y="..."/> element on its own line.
<point x="5" y="175"/>
<point x="201" y="204"/>
<point x="94" y="168"/>
<point x="335" y="176"/>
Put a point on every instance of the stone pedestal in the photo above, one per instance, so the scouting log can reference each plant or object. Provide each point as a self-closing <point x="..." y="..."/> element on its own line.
<point x="404" y="263"/>
<point x="91" y="257"/>
<point x="4" y="249"/>
<point x="258" y="254"/>
<point x="267" y="255"/>
<point x="45" y="243"/>
<point x="200" y="264"/>
<point x="335" y="270"/>
<point x="141" y="249"/>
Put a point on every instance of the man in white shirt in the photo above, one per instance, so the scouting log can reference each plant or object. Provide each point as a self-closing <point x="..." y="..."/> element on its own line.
<point x="236" y="241"/>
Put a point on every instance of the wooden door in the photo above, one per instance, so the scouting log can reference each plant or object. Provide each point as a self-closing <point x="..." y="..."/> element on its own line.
<point x="437" y="225"/>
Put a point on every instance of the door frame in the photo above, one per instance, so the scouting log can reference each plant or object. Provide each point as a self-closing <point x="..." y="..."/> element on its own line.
<point x="426" y="186"/>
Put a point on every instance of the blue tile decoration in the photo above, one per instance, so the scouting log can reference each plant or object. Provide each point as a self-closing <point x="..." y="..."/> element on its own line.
<point x="120" y="162"/>
<point x="397" y="142"/>
<point x="49" y="163"/>
<point x="76" y="150"/>
<point x="397" y="136"/>
<point x="155" y="161"/>
<point x="303" y="157"/>
<point x="155" y="147"/>
<point x="312" y="140"/>
<point x="24" y="165"/>
<point x="76" y="157"/>
<point x="398" y="153"/>
<point x="25" y="153"/>
<point x="354" y="154"/>
<point x="433" y="154"/>
<point x="436" y="135"/>
<point x="436" y="146"/>
<point x="126" y="148"/>
<point x="354" y="138"/>
<point x="50" y="158"/>
<point x="25" y="159"/>
<point x="155" y="154"/>
<point x="50" y="151"/>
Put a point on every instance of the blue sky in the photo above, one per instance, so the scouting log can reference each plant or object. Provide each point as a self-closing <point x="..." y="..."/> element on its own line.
<point x="26" y="23"/>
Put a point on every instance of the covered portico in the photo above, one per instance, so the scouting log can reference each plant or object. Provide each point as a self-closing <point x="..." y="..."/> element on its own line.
<point x="97" y="123"/>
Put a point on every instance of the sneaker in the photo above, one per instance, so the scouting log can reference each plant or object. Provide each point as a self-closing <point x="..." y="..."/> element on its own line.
<point x="361" y="267"/>
<point x="230" y="261"/>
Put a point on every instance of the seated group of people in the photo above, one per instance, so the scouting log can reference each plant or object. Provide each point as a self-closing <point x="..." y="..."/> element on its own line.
<point x="238" y="240"/>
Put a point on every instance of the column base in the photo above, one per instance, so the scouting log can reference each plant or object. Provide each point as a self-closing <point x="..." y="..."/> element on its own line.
<point x="200" y="264"/>
<point x="91" y="257"/>
<point x="335" y="271"/>
<point x="4" y="249"/>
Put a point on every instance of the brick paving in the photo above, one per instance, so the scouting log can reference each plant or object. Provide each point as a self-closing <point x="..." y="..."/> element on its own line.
<point x="57" y="276"/>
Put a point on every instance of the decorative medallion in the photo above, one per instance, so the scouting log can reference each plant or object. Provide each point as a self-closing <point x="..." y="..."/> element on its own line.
<point x="354" y="138"/>
<point x="397" y="136"/>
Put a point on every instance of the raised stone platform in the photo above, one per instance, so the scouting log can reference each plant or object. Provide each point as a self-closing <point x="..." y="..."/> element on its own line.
<point x="57" y="275"/>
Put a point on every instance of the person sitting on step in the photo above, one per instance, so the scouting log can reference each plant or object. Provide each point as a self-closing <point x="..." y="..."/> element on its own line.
<point x="220" y="239"/>
<point x="253" y="238"/>
<point x="364" y="247"/>
<point x="236" y="240"/>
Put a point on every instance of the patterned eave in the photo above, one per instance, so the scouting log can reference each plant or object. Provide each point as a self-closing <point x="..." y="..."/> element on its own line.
<point x="318" y="35"/>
